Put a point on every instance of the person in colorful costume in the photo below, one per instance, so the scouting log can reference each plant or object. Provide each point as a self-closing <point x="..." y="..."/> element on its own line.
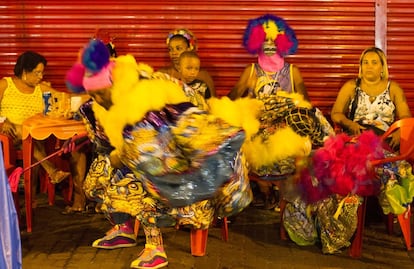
<point x="287" y="114"/>
<point x="178" y="41"/>
<point x="139" y="140"/>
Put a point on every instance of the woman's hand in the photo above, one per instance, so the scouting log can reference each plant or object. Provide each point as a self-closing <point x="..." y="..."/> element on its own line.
<point x="9" y="129"/>
<point x="355" y="129"/>
<point x="395" y="139"/>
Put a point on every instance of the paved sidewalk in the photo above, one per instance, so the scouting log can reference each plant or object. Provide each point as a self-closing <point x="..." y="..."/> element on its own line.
<point x="62" y="241"/>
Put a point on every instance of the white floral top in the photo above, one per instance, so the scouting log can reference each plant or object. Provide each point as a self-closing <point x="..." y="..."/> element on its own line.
<point x="379" y="113"/>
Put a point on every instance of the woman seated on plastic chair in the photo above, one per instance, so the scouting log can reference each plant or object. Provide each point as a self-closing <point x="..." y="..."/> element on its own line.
<point x="372" y="100"/>
<point x="21" y="98"/>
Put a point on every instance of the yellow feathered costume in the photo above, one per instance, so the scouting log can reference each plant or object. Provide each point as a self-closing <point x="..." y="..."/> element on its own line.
<point x="157" y="135"/>
<point x="263" y="148"/>
<point x="168" y="138"/>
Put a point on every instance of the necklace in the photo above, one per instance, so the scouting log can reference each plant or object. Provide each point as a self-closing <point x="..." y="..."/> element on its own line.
<point x="373" y="89"/>
<point x="273" y="83"/>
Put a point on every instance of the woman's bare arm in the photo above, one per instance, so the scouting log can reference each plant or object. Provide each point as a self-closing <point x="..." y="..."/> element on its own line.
<point x="246" y="81"/>
<point x="340" y="107"/>
<point x="400" y="101"/>
<point x="299" y="84"/>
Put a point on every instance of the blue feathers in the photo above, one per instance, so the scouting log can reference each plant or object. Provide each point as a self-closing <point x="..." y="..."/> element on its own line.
<point x="95" y="56"/>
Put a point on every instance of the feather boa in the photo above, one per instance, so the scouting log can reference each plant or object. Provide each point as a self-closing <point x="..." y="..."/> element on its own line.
<point x="243" y="112"/>
<point x="282" y="144"/>
<point x="342" y="166"/>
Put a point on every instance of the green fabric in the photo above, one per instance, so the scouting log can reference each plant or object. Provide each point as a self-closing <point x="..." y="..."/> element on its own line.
<point x="396" y="196"/>
<point x="399" y="189"/>
<point x="298" y="224"/>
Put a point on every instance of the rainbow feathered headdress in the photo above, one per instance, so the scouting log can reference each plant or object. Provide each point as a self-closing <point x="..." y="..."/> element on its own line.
<point x="269" y="26"/>
<point x="187" y="34"/>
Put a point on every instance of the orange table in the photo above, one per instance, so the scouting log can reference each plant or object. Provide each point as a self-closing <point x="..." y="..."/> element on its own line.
<point x="41" y="127"/>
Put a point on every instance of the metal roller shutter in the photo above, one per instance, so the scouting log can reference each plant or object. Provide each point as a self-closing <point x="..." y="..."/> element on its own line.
<point x="331" y="35"/>
<point x="400" y="45"/>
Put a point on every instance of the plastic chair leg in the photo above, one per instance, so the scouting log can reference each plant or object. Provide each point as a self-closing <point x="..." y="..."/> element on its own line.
<point x="282" y="231"/>
<point x="198" y="240"/>
<point x="198" y="237"/>
<point x="225" y="230"/>
<point x="412" y="224"/>
<point x="405" y="222"/>
<point x="356" y="246"/>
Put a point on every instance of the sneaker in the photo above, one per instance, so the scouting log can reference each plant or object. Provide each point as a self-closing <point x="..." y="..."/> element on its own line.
<point x="120" y="236"/>
<point x="151" y="257"/>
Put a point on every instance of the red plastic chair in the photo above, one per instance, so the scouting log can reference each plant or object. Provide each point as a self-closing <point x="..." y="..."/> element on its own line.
<point x="406" y="127"/>
<point x="10" y="156"/>
<point x="198" y="237"/>
<point x="14" y="170"/>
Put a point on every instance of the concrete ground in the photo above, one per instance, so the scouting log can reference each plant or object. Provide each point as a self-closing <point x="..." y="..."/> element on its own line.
<point x="64" y="241"/>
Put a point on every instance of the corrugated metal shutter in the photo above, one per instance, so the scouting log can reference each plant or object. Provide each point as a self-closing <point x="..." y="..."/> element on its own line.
<point x="331" y="35"/>
<point x="400" y="45"/>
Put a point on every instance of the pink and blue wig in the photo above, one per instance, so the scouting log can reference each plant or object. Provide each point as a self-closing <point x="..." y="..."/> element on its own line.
<point x="269" y="26"/>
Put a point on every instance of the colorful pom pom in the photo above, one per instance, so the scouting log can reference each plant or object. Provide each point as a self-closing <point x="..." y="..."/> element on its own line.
<point x="279" y="30"/>
<point x="95" y="56"/>
<point x="74" y="78"/>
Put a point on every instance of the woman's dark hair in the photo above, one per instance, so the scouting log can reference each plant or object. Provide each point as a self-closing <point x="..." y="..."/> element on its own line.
<point x="180" y="37"/>
<point x="27" y="62"/>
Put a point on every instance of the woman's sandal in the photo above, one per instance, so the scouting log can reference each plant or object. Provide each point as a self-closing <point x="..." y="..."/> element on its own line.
<point x="72" y="210"/>
<point x="58" y="176"/>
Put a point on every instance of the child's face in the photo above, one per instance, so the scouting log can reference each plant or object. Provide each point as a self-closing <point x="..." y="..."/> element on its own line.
<point x="189" y="68"/>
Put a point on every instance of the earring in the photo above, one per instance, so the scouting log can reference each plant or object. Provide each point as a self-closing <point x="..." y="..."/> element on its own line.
<point x="24" y="76"/>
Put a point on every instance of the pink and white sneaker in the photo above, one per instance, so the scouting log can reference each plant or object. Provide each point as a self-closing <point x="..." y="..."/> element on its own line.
<point x="120" y="236"/>
<point x="151" y="257"/>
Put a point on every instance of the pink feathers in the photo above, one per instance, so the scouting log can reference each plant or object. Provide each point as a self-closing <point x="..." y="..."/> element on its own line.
<point x="257" y="37"/>
<point x="342" y="166"/>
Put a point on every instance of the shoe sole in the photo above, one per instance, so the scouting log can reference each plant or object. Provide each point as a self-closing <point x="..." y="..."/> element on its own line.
<point x="156" y="267"/>
<point x="116" y="246"/>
